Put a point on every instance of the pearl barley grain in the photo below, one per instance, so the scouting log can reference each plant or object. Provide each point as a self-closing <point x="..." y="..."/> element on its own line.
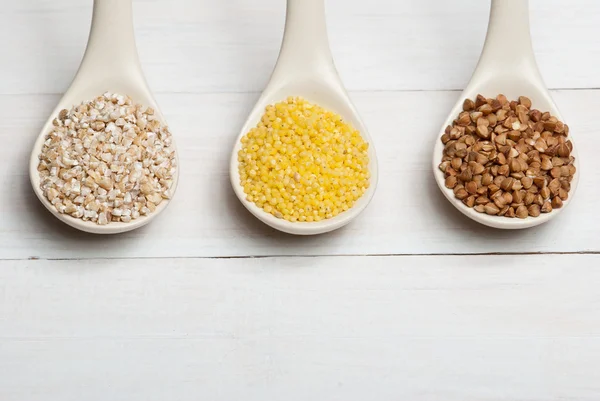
<point x="303" y="163"/>
<point x="107" y="160"/>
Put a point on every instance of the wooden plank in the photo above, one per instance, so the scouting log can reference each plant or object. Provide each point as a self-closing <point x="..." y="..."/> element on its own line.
<point x="231" y="46"/>
<point x="452" y="328"/>
<point x="408" y="213"/>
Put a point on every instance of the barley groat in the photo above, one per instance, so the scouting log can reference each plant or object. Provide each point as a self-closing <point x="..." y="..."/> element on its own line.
<point x="107" y="160"/>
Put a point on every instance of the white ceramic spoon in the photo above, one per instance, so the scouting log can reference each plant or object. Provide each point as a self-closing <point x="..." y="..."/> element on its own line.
<point x="305" y="68"/>
<point x="110" y="64"/>
<point x="507" y="65"/>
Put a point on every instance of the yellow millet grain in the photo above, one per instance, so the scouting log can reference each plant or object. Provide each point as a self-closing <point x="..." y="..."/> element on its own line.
<point x="303" y="163"/>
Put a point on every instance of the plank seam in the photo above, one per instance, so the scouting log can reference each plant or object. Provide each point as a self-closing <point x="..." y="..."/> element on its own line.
<point x="257" y="92"/>
<point x="367" y="255"/>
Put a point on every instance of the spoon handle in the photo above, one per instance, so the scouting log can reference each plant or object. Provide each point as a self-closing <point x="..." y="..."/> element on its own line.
<point x="508" y="48"/>
<point x="111" y="45"/>
<point x="305" y="46"/>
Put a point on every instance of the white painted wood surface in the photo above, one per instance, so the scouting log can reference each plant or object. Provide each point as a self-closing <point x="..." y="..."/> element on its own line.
<point x="163" y="313"/>
<point x="450" y="328"/>
<point x="408" y="214"/>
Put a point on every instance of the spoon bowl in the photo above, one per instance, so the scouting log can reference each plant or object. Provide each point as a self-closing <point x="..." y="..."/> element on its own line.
<point x="305" y="68"/>
<point x="110" y="64"/>
<point x="507" y="66"/>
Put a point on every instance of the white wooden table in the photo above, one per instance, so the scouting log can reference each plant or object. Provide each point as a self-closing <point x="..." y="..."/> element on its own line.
<point x="410" y="302"/>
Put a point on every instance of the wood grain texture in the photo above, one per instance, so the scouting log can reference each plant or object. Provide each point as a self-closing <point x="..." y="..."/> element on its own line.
<point x="231" y="45"/>
<point x="163" y="313"/>
<point x="339" y="328"/>
<point x="407" y="216"/>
